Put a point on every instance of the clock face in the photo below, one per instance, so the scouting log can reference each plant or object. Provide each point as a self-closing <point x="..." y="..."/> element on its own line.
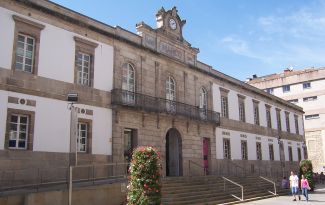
<point x="172" y="24"/>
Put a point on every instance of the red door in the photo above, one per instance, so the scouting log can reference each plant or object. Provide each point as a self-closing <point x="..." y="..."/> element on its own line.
<point x="206" y="143"/>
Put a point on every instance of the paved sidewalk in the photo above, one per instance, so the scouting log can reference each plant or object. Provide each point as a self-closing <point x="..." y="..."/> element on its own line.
<point x="316" y="197"/>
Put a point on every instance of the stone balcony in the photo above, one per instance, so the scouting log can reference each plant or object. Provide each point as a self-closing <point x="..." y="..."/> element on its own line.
<point x="160" y="105"/>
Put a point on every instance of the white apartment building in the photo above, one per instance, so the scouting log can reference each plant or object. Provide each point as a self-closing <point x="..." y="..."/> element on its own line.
<point x="305" y="88"/>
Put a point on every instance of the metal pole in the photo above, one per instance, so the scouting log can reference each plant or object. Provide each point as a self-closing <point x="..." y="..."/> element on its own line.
<point x="70" y="185"/>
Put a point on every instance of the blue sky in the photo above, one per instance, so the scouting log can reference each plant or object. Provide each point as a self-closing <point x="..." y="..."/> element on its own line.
<point x="236" y="37"/>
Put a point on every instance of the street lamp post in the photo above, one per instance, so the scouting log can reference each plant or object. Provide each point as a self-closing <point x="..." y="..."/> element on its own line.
<point x="72" y="98"/>
<point x="281" y="150"/>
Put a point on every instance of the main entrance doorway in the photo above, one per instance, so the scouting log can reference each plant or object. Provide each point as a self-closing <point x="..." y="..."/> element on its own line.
<point x="173" y="153"/>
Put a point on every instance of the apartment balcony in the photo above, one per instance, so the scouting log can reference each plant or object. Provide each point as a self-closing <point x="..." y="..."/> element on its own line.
<point x="161" y="105"/>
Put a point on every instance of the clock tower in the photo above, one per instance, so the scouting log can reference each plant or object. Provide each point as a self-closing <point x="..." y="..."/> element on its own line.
<point x="170" y="23"/>
<point x="167" y="37"/>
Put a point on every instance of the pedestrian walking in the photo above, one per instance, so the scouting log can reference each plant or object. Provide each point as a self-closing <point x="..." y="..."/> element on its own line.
<point x="284" y="183"/>
<point x="294" y="185"/>
<point x="304" y="186"/>
<point x="322" y="178"/>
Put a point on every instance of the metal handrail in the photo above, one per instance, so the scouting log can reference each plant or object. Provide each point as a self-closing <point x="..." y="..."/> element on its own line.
<point x="242" y="188"/>
<point x="43" y="176"/>
<point x="272" y="182"/>
<point x="189" y="167"/>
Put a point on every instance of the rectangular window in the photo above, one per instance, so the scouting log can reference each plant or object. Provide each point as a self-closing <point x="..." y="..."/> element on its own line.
<point x="287" y="121"/>
<point x="269" y="90"/>
<point x="244" y="154"/>
<point x="268" y="117"/>
<point x="305" y="152"/>
<point x="26" y="45"/>
<point x="278" y="119"/>
<point x="256" y="114"/>
<point x="271" y="152"/>
<point x="82" y="136"/>
<point x="259" y="151"/>
<point x="226" y="149"/>
<point x="18" y="131"/>
<point x="83" y="68"/>
<point x="25" y="53"/>
<point x="294" y="101"/>
<point x="224" y="107"/>
<point x="306" y="85"/>
<point x="242" y="111"/>
<point x="84" y="61"/>
<point x="299" y="154"/>
<point x="311" y="117"/>
<point x="307" y="99"/>
<point x="296" y="124"/>
<point x="290" y="153"/>
<point x="286" y="88"/>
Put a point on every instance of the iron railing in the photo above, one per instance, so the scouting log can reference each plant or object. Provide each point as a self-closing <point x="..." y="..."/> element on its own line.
<point x="38" y="178"/>
<point x="161" y="105"/>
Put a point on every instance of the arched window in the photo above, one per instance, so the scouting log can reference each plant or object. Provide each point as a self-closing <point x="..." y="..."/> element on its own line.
<point x="203" y="106"/>
<point x="170" y="94"/>
<point x="128" y="83"/>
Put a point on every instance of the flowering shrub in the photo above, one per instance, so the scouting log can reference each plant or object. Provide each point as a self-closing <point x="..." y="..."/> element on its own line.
<point x="306" y="168"/>
<point x="144" y="186"/>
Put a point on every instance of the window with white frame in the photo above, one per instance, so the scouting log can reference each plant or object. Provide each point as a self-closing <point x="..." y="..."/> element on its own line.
<point x="286" y="88"/>
<point x="259" y="151"/>
<point x="299" y="154"/>
<point x="83" y="68"/>
<point x="278" y="119"/>
<point x="25" y="53"/>
<point x="203" y="106"/>
<point x="294" y="101"/>
<point x="84" y="61"/>
<point x="224" y="107"/>
<point x="287" y="121"/>
<point x="128" y="83"/>
<point x="306" y="85"/>
<point x="27" y="35"/>
<point x="271" y="152"/>
<point x="307" y="99"/>
<point x="82" y="136"/>
<point x="170" y="94"/>
<point x="226" y="149"/>
<point x="241" y="107"/>
<point x="18" y="133"/>
<point x="256" y="113"/>
<point x="311" y="117"/>
<point x="268" y="116"/>
<point x="290" y="153"/>
<point x="244" y="153"/>
<point x="269" y="90"/>
<point x="296" y="124"/>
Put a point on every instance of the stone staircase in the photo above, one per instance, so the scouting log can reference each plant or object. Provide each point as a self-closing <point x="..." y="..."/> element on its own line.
<point x="206" y="190"/>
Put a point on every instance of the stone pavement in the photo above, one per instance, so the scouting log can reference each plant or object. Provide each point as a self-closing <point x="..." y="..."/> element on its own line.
<point x="316" y="197"/>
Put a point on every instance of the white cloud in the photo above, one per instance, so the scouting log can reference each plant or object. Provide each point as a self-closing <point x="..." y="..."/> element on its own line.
<point x="296" y="38"/>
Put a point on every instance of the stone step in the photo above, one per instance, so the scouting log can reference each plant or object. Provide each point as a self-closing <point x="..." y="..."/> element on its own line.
<point x="209" y="189"/>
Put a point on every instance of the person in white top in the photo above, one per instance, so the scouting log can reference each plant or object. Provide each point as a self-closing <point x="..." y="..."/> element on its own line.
<point x="294" y="185"/>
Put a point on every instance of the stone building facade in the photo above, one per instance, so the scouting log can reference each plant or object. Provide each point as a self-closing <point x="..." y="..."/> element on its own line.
<point x="134" y="90"/>
<point x="304" y="88"/>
